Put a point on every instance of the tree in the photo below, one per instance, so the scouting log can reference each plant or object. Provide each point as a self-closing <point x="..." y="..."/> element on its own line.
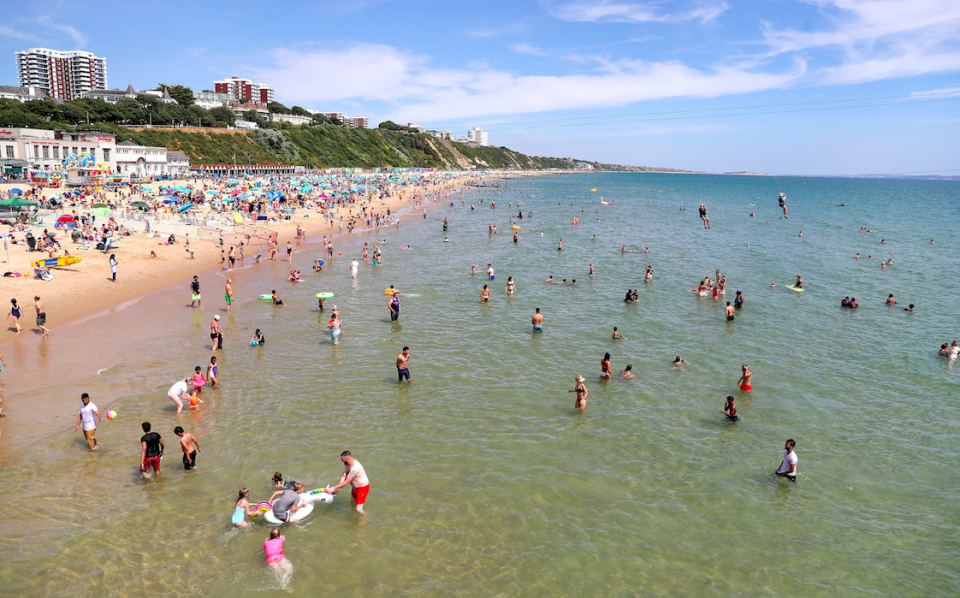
<point x="319" y="119"/>
<point x="129" y="111"/>
<point x="334" y="121"/>
<point x="390" y="126"/>
<point x="300" y="111"/>
<point x="181" y="93"/>
<point x="224" y="114"/>
<point x="277" y="108"/>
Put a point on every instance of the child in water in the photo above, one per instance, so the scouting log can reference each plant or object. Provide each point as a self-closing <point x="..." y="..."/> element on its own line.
<point x="258" y="336"/>
<point x="276" y="560"/>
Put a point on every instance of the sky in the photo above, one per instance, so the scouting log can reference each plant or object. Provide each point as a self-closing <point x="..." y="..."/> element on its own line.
<point x="777" y="86"/>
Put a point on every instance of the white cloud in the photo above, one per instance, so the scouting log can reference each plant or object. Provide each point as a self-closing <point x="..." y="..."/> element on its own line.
<point x="878" y="39"/>
<point x="421" y="92"/>
<point x="609" y="11"/>
<point x="951" y="91"/>
<point x="525" y="48"/>
<point x="6" y="31"/>
<point x="78" y="38"/>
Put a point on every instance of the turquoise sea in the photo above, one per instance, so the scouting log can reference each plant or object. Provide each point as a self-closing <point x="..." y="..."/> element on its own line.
<point x="485" y="481"/>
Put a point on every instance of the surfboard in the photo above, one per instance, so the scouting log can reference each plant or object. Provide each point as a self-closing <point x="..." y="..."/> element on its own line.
<point x="57" y="262"/>
<point x="794" y="289"/>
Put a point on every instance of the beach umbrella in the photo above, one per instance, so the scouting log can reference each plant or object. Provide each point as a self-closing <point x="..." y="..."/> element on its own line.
<point x="140" y="205"/>
<point x="16" y="191"/>
<point x="185" y="208"/>
<point x="100" y="205"/>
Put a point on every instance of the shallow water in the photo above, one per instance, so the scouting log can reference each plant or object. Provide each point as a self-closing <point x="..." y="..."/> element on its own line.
<point x="485" y="481"/>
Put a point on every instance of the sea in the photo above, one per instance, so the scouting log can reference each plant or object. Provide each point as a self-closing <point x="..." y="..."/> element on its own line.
<point x="485" y="481"/>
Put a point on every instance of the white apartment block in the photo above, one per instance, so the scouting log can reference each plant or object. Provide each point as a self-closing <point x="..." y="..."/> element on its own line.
<point x="45" y="150"/>
<point x="478" y="136"/>
<point x="61" y="75"/>
<point x="356" y="122"/>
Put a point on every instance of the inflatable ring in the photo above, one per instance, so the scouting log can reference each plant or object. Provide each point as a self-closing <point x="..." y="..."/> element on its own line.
<point x="390" y="291"/>
<point x="266" y="297"/>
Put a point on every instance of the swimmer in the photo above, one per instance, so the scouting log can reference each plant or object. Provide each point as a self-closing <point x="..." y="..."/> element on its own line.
<point x="773" y="285"/>
<point x="473" y="270"/>
<point x="403" y="359"/>
<point x="490" y="272"/>
<point x="591" y="270"/>
<point x="241" y="509"/>
<point x="485" y="294"/>
<point x="560" y="246"/>
<point x="276" y="298"/>
<point x="446" y="240"/>
<point x="628" y="372"/>
<point x="510" y="286"/>
<point x="549" y="279"/>
<point x="730" y="410"/>
<point x="257" y="338"/>
<point x="198" y="380"/>
<point x="605" y="367"/>
<point x="334" y="326"/>
<point x="616" y="334"/>
<point x="582" y="393"/>
<point x="276" y="560"/>
<point x="857" y="257"/>
<point x="890" y="300"/>
<point x="537" y="321"/>
<point x="728" y="310"/>
<point x="215" y="335"/>
<point x="635" y="296"/>
<point x="195" y="400"/>
<point x="186" y="439"/>
<point x="745" y="379"/>
<point x="678" y="362"/>
<point x="738" y="301"/>
<point x="908" y="308"/>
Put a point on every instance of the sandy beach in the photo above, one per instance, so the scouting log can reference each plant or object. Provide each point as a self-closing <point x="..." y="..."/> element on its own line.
<point x="86" y="288"/>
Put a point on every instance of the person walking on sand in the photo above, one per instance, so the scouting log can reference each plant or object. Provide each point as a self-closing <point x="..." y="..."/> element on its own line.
<point x="195" y="292"/>
<point x="15" y="313"/>
<point x="746" y="379"/>
<point x="402" y="362"/>
<point x="354" y="475"/>
<point x="89" y="416"/>
<point x="186" y="439"/>
<point x="228" y="293"/>
<point x="42" y="315"/>
<point x="151" y="450"/>
<point x="113" y="266"/>
<point x="582" y="393"/>
<point x="788" y="467"/>
<point x="537" y="321"/>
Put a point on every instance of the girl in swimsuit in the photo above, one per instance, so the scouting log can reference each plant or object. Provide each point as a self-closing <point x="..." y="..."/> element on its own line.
<point x="15" y="314"/>
<point x="510" y="286"/>
<point x="242" y="509"/>
<point x="605" y="366"/>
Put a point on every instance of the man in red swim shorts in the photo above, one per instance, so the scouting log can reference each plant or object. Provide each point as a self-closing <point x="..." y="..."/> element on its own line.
<point x="745" y="380"/>
<point x="151" y="449"/>
<point x="356" y="476"/>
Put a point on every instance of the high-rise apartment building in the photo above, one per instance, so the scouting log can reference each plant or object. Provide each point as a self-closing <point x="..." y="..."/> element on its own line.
<point x="62" y="75"/>
<point x="478" y="136"/>
<point x="245" y="88"/>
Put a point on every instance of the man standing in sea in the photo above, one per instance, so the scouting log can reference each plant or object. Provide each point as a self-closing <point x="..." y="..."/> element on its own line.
<point x="228" y="293"/>
<point x="356" y="476"/>
<point x="402" y="361"/>
<point x="151" y="450"/>
<point x="195" y="290"/>
<point x="89" y="416"/>
<point x="538" y="321"/>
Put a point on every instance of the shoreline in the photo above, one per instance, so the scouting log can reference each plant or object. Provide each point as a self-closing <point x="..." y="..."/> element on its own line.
<point x="50" y="415"/>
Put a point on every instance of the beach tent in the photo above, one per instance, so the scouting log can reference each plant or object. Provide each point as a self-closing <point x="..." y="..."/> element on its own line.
<point x="16" y="202"/>
<point x="65" y="221"/>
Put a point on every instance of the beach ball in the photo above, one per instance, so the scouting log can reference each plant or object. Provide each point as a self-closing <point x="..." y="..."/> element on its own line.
<point x="340" y="253"/>
<point x="111" y="414"/>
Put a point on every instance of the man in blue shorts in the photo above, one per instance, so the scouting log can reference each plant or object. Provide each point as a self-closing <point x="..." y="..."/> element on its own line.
<point x="402" y="370"/>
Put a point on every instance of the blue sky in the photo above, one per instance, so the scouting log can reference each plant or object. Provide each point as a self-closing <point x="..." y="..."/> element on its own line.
<point x="454" y="65"/>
